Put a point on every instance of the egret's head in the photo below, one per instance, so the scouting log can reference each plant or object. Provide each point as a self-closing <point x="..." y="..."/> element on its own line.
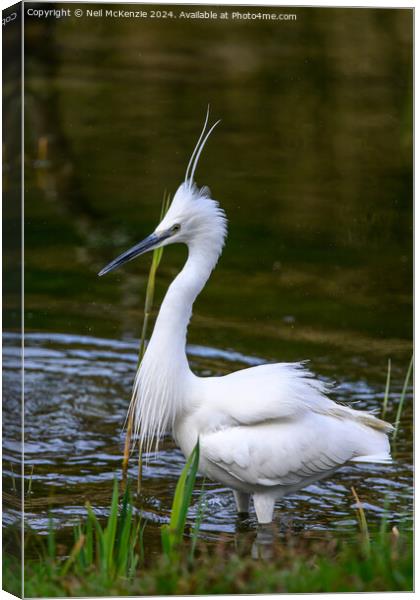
<point x="193" y="218"/>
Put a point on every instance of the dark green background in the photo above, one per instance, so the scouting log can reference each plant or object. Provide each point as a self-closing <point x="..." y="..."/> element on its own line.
<point x="312" y="163"/>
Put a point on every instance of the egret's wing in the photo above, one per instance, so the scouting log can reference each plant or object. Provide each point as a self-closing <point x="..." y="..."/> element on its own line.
<point x="274" y="392"/>
<point x="279" y="453"/>
<point x="266" y="392"/>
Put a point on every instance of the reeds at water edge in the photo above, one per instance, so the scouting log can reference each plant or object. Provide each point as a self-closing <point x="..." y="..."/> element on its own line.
<point x="403" y="394"/>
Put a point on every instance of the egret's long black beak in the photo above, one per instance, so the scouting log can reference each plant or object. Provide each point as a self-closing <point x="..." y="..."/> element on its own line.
<point x="151" y="242"/>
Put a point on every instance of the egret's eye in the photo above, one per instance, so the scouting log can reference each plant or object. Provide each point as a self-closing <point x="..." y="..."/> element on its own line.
<point x="175" y="228"/>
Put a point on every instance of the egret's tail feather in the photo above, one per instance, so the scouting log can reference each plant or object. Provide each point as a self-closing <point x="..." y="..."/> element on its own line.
<point x="384" y="458"/>
<point x="375" y="423"/>
<point x="364" y="418"/>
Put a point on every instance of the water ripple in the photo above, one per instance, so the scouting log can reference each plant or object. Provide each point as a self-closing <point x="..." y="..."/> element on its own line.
<point x="76" y="396"/>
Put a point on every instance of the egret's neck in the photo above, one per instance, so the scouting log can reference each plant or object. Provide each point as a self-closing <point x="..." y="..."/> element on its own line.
<point x="170" y="332"/>
<point x="161" y="386"/>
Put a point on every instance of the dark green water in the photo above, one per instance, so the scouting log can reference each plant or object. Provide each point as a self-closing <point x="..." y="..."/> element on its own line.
<point x="312" y="163"/>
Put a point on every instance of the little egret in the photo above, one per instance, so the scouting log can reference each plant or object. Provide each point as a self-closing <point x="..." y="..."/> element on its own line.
<point x="264" y="431"/>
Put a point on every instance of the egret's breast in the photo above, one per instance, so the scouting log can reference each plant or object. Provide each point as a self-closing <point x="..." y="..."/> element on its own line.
<point x="195" y="422"/>
<point x="186" y="434"/>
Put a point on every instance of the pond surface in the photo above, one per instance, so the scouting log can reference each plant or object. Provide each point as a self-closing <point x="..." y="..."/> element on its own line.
<point x="76" y="400"/>
<point x="312" y="163"/>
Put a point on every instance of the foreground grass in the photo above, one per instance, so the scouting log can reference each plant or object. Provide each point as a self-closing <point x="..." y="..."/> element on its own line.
<point x="299" y="564"/>
<point x="109" y="559"/>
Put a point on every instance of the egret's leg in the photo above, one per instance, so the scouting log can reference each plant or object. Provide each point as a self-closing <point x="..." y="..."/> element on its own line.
<point x="242" y="502"/>
<point x="264" y="507"/>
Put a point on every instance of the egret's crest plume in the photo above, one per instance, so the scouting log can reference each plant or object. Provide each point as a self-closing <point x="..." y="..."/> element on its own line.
<point x="189" y="173"/>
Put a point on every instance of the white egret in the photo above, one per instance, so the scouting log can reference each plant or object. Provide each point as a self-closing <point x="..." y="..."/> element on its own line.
<point x="264" y="431"/>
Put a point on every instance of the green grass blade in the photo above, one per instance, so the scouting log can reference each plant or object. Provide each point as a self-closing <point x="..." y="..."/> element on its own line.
<point x="51" y="548"/>
<point x="133" y="565"/>
<point x="384" y="522"/>
<point x="202" y="505"/>
<point x="402" y="398"/>
<point x="150" y="289"/>
<point x="189" y="485"/>
<point x="89" y="542"/>
<point x="179" y="496"/>
<point x="183" y="490"/>
<point x="100" y="544"/>
<point x="386" y="394"/>
<point x="166" y="539"/>
<point x="123" y="550"/>
<point x="134" y="554"/>
<point x="81" y="556"/>
<point x="111" y="530"/>
<point x="172" y="533"/>
<point x="122" y="517"/>
<point x="364" y="529"/>
<point x="140" y="537"/>
<point x="73" y="554"/>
